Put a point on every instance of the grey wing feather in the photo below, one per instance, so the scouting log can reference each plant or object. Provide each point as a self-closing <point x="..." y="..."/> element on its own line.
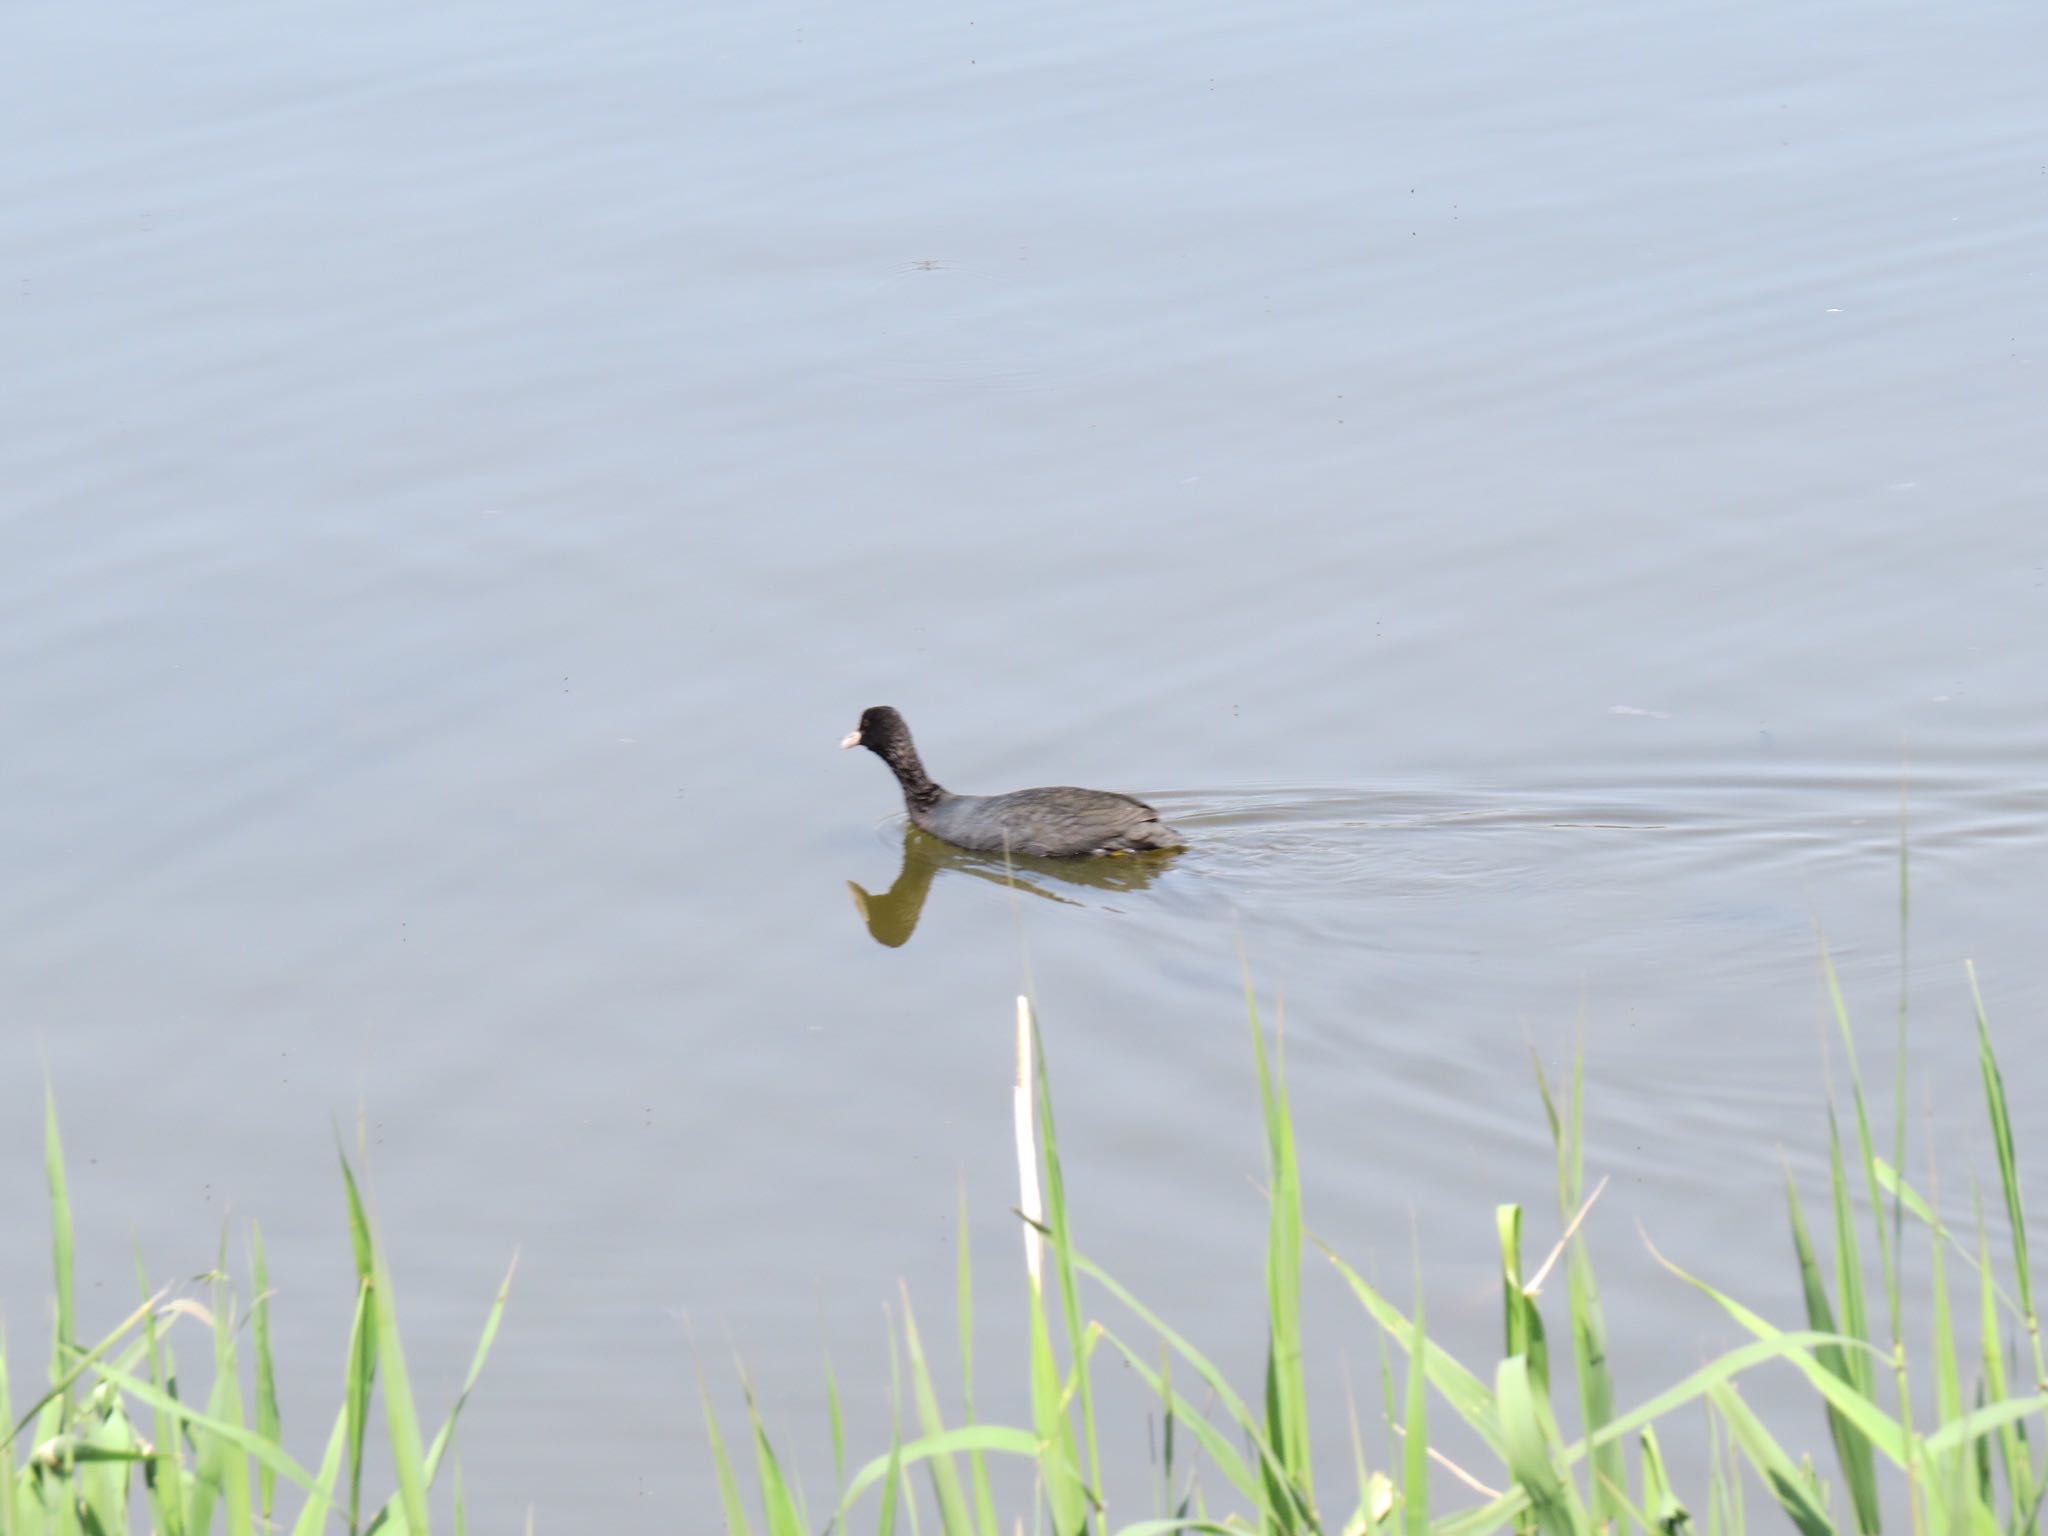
<point x="1056" y="822"/>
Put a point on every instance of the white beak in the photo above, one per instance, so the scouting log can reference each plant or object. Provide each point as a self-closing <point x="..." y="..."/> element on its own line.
<point x="852" y="739"/>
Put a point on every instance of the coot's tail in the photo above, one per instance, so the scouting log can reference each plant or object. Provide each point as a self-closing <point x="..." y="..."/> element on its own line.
<point x="1148" y="837"/>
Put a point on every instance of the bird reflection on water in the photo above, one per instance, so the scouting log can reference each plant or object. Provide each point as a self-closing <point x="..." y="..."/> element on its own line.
<point x="891" y="916"/>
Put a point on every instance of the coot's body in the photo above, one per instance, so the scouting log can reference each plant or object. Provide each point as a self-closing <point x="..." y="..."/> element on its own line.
<point x="1059" y="822"/>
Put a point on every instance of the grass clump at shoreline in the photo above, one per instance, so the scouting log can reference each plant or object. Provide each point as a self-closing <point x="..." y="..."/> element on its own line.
<point x="111" y="1437"/>
<point x="1239" y="1460"/>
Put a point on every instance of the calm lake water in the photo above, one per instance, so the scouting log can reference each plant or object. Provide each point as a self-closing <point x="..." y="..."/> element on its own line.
<point x="1524" y="486"/>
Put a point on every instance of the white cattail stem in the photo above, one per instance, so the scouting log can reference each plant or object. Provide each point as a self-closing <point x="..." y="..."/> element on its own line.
<point x="1024" y="1106"/>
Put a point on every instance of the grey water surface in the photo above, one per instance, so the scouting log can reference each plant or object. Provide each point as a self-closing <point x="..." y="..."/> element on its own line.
<point x="1530" y="489"/>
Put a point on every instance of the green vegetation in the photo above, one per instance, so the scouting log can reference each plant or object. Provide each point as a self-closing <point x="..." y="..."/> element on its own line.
<point x="1930" y="1432"/>
<point x="1237" y="1461"/>
<point x="112" y="1438"/>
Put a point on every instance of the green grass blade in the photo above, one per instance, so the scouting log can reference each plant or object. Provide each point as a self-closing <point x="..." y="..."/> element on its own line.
<point x="233" y="1463"/>
<point x="1470" y="1397"/>
<point x="239" y="1436"/>
<point x="895" y="1422"/>
<point x="1535" y="1450"/>
<point x="1185" y="1415"/>
<point x="1979" y="1422"/>
<point x="1162" y="1388"/>
<point x="1511" y="1508"/>
<point x="61" y="1255"/>
<point x="1848" y="1263"/>
<point x="1883" y="1432"/>
<point x="1359" y="1473"/>
<point x="736" y="1523"/>
<point x="777" y="1503"/>
<point x="1776" y="1469"/>
<point x="391" y="1516"/>
<point x="166" y="1480"/>
<point x="1738" y="1523"/>
<point x="1062" y="1244"/>
<point x="444" y="1436"/>
<point x="992" y="1439"/>
<point x="1287" y="1393"/>
<point x="268" y="1421"/>
<point x="1888" y="1258"/>
<point x="1058" y="1478"/>
<point x="92" y="1359"/>
<point x="320" y="1498"/>
<point x="401" y="1416"/>
<point x="1415" y="1436"/>
<point x="977" y="1466"/>
<point x="1852" y="1450"/>
<point x="363" y="1345"/>
<point x="1663" y="1511"/>
<point x="1056" y="1452"/>
<point x="1522" y="1323"/>
<point x="1596" y="1382"/>
<point x="1590" y="1367"/>
<point x="1867" y="1148"/>
<point x="945" y="1477"/>
<point x="892" y="1479"/>
<point x="2012" y="1446"/>
<point x="99" y="1459"/>
<point x="838" y="1425"/>
<point x="1722" y="1369"/>
<point x="1566" y="1192"/>
<point x="1948" y="1384"/>
<point x="1889" y="1181"/>
<point x="1248" y="1424"/>
<point x="1717" y="1479"/>
<point x="2008" y="1163"/>
<point x="1899" y="1058"/>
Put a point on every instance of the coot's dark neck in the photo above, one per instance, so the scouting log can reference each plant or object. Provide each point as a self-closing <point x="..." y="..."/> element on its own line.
<point x="919" y="792"/>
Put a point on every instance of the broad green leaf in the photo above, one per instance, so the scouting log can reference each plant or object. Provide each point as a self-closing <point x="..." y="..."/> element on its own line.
<point x="1535" y="1450"/>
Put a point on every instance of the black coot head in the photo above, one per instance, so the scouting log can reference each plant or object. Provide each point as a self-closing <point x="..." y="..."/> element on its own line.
<point x="881" y="730"/>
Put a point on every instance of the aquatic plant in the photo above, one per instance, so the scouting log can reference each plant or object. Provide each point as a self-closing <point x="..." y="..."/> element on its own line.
<point x="113" y="1438"/>
<point x="1239" y="1460"/>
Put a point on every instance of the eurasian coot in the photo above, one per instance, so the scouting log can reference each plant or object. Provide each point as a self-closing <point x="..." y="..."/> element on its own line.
<point x="1049" y="823"/>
